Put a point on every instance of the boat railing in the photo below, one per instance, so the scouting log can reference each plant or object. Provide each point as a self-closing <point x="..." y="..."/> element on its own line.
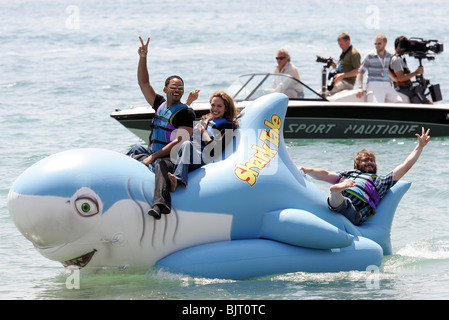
<point x="254" y="85"/>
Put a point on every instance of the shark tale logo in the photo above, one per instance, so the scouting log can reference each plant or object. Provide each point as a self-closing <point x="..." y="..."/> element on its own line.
<point x="264" y="154"/>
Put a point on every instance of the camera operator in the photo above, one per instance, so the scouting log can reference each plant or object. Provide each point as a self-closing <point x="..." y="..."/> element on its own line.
<point x="348" y="65"/>
<point x="403" y="75"/>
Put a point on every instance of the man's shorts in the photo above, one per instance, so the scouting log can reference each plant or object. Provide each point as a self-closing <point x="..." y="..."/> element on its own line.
<point x="349" y="211"/>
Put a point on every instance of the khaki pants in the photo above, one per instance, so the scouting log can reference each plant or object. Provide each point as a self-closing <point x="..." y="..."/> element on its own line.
<point x="381" y="92"/>
<point x="340" y="86"/>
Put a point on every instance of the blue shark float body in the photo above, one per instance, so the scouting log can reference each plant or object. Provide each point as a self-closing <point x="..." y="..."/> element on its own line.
<point x="250" y="215"/>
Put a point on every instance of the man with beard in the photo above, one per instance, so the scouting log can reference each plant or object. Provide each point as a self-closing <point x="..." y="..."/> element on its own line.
<point x="356" y="193"/>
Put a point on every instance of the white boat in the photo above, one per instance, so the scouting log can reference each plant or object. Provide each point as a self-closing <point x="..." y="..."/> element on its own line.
<point x="312" y="116"/>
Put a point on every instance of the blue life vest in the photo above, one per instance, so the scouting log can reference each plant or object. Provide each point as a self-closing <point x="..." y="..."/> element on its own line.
<point x="197" y="138"/>
<point x="365" y="189"/>
<point x="211" y="125"/>
<point x="162" y="125"/>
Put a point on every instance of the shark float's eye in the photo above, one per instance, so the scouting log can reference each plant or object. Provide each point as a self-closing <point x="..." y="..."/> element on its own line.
<point x="86" y="202"/>
<point x="86" y="206"/>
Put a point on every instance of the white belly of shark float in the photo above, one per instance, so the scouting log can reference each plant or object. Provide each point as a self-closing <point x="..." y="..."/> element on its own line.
<point x="250" y="215"/>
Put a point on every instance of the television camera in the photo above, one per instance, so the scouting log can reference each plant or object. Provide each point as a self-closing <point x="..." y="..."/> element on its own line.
<point x="422" y="49"/>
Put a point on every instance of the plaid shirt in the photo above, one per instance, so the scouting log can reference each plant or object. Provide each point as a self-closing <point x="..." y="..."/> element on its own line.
<point x="382" y="183"/>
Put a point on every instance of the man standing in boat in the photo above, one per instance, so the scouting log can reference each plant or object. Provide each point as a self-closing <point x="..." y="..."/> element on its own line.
<point x="348" y="65"/>
<point x="379" y="85"/>
<point x="356" y="193"/>
<point x="172" y="125"/>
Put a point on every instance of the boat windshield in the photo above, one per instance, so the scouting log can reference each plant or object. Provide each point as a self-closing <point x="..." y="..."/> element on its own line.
<point x="254" y="85"/>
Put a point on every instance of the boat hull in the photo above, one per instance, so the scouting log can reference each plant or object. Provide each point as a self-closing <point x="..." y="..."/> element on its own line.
<point x="327" y="120"/>
<point x="364" y="121"/>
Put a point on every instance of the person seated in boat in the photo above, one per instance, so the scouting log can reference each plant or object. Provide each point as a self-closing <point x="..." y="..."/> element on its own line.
<point x="209" y="140"/>
<point x="356" y="193"/>
<point x="403" y="83"/>
<point x="291" y="88"/>
<point x="171" y="125"/>
<point x="379" y="85"/>
<point x="348" y="65"/>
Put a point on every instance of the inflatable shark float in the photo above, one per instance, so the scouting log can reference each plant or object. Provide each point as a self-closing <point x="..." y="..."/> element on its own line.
<point x="250" y="215"/>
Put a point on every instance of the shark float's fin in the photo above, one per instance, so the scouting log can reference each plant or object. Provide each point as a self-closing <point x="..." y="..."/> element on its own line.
<point x="243" y="259"/>
<point x="304" y="229"/>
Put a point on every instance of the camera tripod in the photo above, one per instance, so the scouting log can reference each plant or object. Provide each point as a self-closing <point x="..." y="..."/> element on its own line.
<point x="421" y="85"/>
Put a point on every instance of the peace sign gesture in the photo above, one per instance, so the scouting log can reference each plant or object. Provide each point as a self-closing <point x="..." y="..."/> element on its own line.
<point x="424" y="138"/>
<point x="143" y="50"/>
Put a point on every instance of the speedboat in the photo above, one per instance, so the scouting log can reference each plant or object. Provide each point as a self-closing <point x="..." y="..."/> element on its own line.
<point x="314" y="116"/>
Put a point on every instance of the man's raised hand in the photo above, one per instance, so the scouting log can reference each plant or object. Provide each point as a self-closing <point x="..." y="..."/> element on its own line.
<point x="143" y="50"/>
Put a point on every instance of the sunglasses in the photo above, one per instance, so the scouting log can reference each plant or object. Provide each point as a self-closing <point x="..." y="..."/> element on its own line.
<point x="280" y="58"/>
<point x="173" y="87"/>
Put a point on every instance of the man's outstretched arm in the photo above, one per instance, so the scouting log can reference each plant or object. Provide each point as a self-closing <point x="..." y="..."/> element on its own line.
<point x="321" y="174"/>
<point x="403" y="168"/>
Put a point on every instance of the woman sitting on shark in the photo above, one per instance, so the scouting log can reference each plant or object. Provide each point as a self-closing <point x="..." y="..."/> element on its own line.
<point x="209" y="139"/>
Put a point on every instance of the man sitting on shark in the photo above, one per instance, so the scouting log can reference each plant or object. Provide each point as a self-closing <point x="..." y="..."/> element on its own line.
<point x="356" y="193"/>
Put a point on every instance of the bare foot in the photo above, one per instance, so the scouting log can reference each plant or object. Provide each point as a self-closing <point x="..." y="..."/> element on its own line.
<point x="345" y="184"/>
<point x="173" y="182"/>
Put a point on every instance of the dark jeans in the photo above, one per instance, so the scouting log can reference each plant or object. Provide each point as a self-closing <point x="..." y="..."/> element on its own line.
<point x="410" y="92"/>
<point x="161" y="167"/>
<point x="162" y="197"/>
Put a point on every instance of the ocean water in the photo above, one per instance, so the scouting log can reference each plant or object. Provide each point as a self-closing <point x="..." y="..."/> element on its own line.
<point x="66" y="65"/>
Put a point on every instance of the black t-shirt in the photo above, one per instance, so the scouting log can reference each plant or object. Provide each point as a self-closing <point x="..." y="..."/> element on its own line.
<point x="183" y="118"/>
